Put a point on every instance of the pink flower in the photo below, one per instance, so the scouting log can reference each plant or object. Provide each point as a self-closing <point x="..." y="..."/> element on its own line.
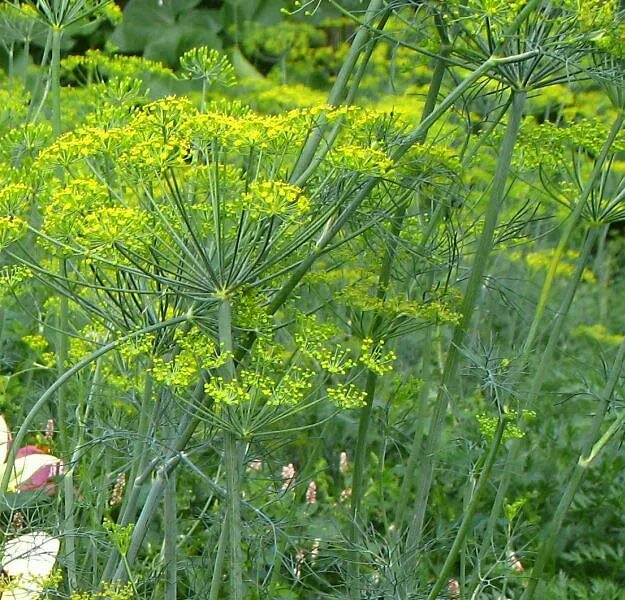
<point x="288" y="476"/>
<point x="33" y="467"/>
<point x="311" y="493"/>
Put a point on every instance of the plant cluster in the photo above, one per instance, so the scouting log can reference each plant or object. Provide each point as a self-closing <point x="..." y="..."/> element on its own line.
<point x="325" y="314"/>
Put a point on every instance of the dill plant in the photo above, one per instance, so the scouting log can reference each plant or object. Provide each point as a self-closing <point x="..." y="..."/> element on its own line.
<point x="229" y="280"/>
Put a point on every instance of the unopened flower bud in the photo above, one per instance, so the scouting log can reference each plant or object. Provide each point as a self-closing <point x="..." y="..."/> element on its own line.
<point x="343" y="463"/>
<point x="49" y="435"/>
<point x="18" y="522"/>
<point x="118" y="490"/>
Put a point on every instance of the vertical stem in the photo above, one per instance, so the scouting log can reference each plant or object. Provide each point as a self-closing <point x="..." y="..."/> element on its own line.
<point x="203" y="101"/>
<point x="232" y="461"/>
<point x="55" y="79"/>
<point x="218" y="567"/>
<point x="233" y="503"/>
<point x="480" y="262"/>
<point x="141" y="446"/>
<point x="338" y="88"/>
<point x="411" y="470"/>
<point x="68" y="483"/>
<point x="170" y="537"/>
<point x="150" y="508"/>
<point x="602" y="266"/>
<point x="61" y="360"/>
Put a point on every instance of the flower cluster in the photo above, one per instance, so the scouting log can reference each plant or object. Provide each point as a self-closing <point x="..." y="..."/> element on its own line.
<point x="275" y="199"/>
<point x="347" y="396"/>
<point x="372" y="355"/>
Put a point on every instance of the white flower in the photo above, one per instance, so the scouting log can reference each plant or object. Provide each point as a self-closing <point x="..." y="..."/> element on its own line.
<point x="27" y="561"/>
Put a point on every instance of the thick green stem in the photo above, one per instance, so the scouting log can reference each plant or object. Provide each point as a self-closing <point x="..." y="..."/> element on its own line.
<point x="591" y="450"/>
<point x="218" y="567"/>
<point x="411" y="470"/>
<point x="480" y="263"/>
<point x="338" y="89"/>
<point x="469" y="512"/>
<point x="150" y="508"/>
<point x="233" y="502"/>
<point x="170" y="537"/>
<point x="232" y="462"/>
<point x="55" y="79"/>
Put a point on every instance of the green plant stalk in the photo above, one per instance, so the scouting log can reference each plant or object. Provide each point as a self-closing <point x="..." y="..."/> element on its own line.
<point x="338" y="89"/>
<point x="602" y="266"/>
<point x="219" y="561"/>
<point x="62" y="334"/>
<point x="360" y="454"/>
<point x="150" y="508"/>
<point x="469" y="511"/>
<point x="318" y="157"/>
<point x="233" y="502"/>
<point x="141" y="448"/>
<point x="589" y="454"/>
<point x="170" y="534"/>
<point x="55" y="79"/>
<point x="204" y="91"/>
<point x="68" y="484"/>
<point x="409" y="480"/>
<point x="62" y="380"/>
<point x="478" y="268"/>
<point x="232" y="462"/>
